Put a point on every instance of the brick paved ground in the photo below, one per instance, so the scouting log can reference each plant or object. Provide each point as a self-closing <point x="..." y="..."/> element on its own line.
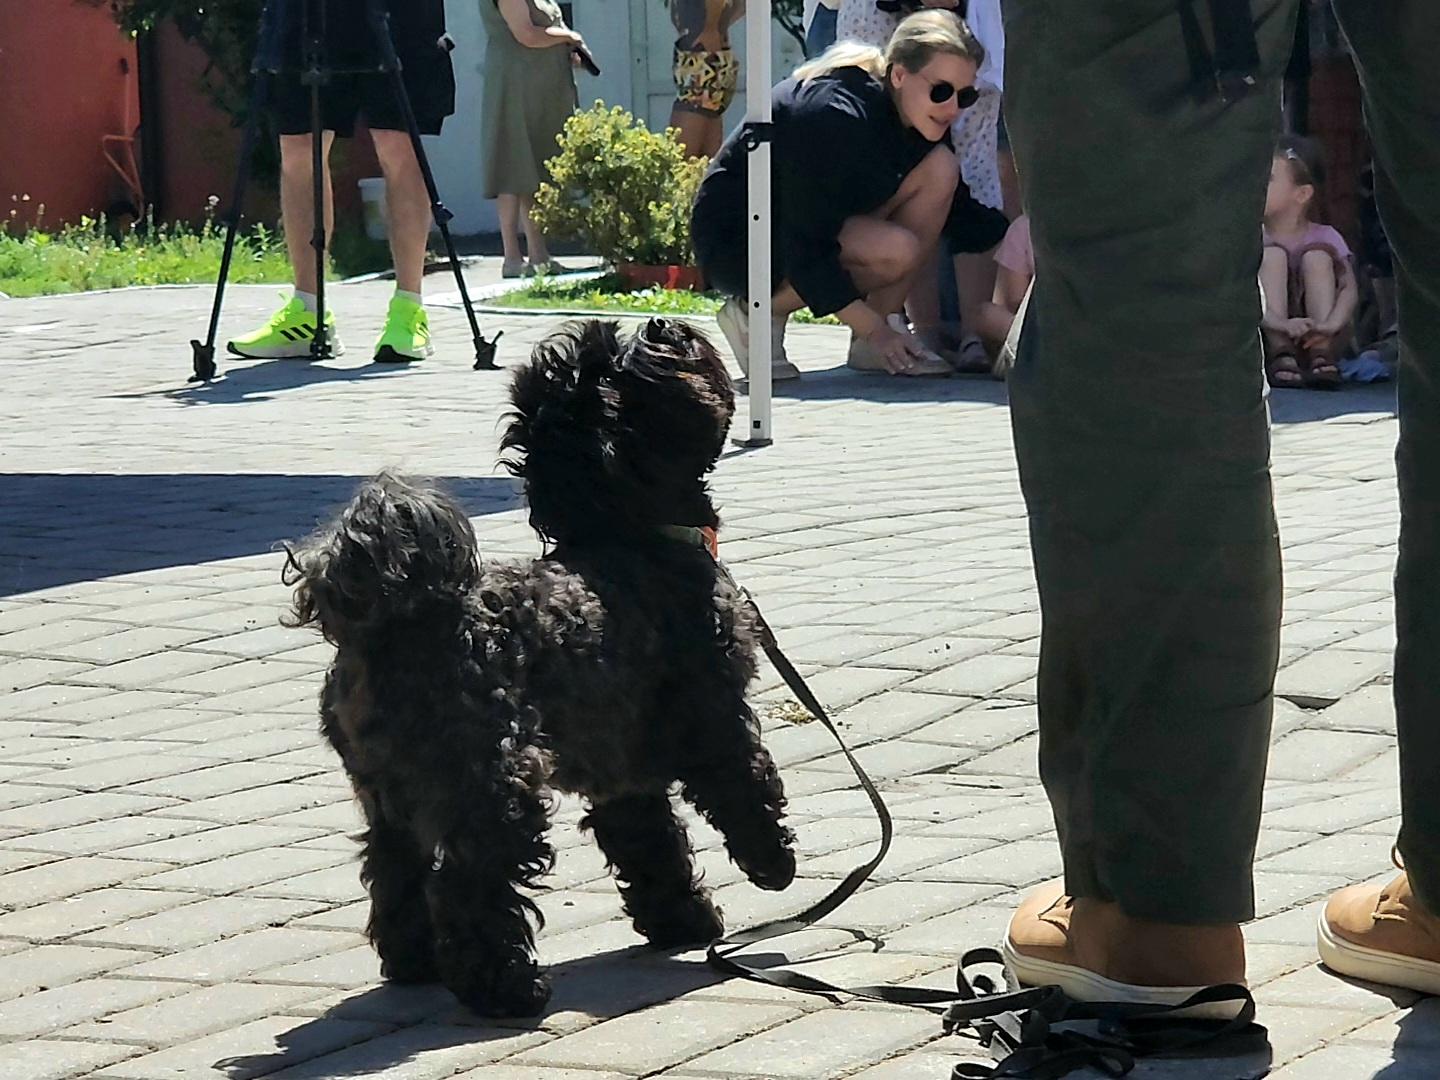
<point x="179" y="893"/>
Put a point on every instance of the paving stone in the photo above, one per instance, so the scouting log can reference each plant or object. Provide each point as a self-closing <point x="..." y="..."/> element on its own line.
<point x="334" y="884"/>
<point x="255" y="804"/>
<point x="199" y="922"/>
<point x="1355" y="856"/>
<point x="819" y="1045"/>
<point x="75" y="1003"/>
<point x="51" y="1059"/>
<point x="426" y="1052"/>
<point x="245" y="870"/>
<point x="505" y="1071"/>
<point x="120" y="772"/>
<point x="245" y="954"/>
<point x="203" y="844"/>
<point x="67" y="918"/>
<point x="61" y="810"/>
<point x="258" y="1048"/>
<point x="191" y="1015"/>
<point x="211" y="779"/>
<point x="1323" y="677"/>
<point x="655" y="1038"/>
<point x="104" y="837"/>
<point x="68" y="877"/>
<point x="1317" y="755"/>
<point x="1354" y="1060"/>
<point x="42" y="967"/>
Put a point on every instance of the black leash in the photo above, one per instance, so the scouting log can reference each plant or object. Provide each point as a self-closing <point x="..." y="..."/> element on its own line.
<point x="1036" y="1033"/>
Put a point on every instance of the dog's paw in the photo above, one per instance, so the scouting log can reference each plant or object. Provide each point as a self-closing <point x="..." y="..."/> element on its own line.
<point x="697" y="922"/>
<point x="775" y="873"/>
<point x="515" y="990"/>
<point x="409" y="969"/>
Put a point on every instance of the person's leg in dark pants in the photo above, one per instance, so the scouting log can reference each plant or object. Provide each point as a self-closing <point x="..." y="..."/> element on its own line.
<point x="1143" y="442"/>
<point x="1395" y="46"/>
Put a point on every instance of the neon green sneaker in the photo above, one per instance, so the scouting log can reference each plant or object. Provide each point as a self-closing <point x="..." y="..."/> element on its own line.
<point x="286" y="336"/>
<point x="406" y="335"/>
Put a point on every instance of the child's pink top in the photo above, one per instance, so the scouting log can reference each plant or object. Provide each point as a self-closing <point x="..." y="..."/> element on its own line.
<point x="1015" y="252"/>
<point x="1314" y="236"/>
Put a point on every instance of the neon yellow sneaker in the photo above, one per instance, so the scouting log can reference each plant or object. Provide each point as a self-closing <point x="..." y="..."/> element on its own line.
<point x="286" y="336"/>
<point x="406" y="336"/>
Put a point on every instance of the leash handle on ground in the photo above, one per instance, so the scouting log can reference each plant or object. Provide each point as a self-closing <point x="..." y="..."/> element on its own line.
<point x="1021" y="1028"/>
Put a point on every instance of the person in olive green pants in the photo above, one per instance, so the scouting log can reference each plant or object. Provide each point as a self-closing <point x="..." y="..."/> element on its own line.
<point x="1138" y="405"/>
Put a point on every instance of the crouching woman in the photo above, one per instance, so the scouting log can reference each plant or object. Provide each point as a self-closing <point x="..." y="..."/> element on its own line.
<point x="864" y="182"/>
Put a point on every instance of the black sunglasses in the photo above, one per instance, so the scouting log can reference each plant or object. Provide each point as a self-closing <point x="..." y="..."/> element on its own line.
<point x="942" y="91"/>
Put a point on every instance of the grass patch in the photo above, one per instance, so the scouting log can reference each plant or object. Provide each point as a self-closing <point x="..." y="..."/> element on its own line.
<point x="92" y="255"/>
<point x="610" y="294"/>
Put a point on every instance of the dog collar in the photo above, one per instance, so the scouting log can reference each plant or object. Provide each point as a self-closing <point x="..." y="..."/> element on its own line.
<point x="703" y="537"/>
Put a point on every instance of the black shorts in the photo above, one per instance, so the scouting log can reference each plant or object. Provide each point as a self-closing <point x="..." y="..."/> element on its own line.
<point x="429" y="80"/>
<point x="719" y="233"/>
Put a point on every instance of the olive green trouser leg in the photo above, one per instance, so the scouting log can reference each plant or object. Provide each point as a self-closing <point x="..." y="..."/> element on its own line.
<point x="1397" y="47"/>
<point x="1142" y="436"/>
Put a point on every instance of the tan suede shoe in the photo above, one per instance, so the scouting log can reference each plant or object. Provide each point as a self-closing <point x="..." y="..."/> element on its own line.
<point x="1038" y="952"/>
<point x="863" y="358"/>
<point x="1381" y="934"/>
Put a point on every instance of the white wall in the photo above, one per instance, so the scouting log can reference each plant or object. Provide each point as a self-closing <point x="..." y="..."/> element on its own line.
<point x="632" y="42"/>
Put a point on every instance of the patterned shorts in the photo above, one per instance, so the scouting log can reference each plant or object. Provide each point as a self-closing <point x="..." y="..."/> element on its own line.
<point x="705" y="82"/>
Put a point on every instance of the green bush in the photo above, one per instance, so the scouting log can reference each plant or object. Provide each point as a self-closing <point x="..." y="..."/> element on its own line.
<point x="620" y="189"/>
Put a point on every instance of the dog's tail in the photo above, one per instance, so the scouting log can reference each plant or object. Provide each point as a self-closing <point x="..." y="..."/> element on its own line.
<point x="400" y="555"/>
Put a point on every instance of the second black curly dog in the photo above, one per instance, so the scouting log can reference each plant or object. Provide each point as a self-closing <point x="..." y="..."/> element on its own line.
<point x="616" y="666"/>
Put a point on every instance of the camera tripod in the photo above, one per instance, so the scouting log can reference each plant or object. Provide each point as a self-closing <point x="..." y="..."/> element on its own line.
<point x="314" y="72"/>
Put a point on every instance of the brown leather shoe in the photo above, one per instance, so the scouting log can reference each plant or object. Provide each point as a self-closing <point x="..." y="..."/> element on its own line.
<point x="1038" y="951"/>
<point x="1381" y="934"/>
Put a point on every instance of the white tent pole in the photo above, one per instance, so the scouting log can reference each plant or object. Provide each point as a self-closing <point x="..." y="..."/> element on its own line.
<point x="757" y="114"/>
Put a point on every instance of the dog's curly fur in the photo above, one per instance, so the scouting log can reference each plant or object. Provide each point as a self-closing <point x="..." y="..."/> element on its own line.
<point x="615" y="666"/>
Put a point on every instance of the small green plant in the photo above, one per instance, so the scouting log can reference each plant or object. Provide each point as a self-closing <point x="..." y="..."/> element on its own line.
<point x="90" y="254"/>
<point x="610" y="294"/>
<point x="622" y="190"/>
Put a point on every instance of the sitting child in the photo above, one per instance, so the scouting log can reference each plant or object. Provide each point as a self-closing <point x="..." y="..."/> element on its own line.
<point x="1015" y="271"/>
<point x="1310" y="288"/>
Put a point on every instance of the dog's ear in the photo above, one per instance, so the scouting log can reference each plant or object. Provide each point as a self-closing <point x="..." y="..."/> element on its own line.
<point x="562" y="427"/>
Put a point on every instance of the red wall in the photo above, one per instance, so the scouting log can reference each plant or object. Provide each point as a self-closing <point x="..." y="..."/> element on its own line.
<point x="61" y="89"/>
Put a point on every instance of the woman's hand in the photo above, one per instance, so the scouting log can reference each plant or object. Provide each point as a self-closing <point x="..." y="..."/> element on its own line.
<point x="898" y="349"/>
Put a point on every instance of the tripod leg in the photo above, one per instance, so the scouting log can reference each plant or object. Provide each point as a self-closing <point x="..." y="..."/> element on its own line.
<point x="379" y="22"/>
<point x="204" y="352"/>
<point x="320" y="343"/>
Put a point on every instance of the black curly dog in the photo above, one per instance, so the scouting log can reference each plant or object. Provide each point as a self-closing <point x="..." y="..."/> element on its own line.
<point x="613" y="667"/>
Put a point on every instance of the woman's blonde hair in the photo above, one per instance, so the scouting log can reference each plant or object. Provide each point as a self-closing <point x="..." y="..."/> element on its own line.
<point x="918" y="38"/>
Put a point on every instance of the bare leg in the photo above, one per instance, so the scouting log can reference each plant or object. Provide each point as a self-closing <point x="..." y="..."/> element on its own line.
<point x="407" y="203"/>
<point x="919" y="207"/>
<point x="1318" y="270"/>
<point x="535" y="244"/>
<point x="297" y="204"/>
<point x="693" y="131"/>
<point x="1275" y="280"/>
<point x="509" y="209"/>
<point x="975" y="281"/>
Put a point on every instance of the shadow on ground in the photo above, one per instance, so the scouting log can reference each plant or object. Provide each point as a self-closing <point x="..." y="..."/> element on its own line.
<point x="57" y="528"/>
<point x="843" y="384"/>
<point x="604" y="986"/>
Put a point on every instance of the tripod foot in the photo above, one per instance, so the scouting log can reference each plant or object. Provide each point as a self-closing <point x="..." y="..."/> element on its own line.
<point x="204" y="362"/>
<point x="485" y="353"/>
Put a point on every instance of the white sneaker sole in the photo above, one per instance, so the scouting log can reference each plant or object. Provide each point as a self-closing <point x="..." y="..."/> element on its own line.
<point x="1082" y="985"/>
<point x="1372" y="965"/>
